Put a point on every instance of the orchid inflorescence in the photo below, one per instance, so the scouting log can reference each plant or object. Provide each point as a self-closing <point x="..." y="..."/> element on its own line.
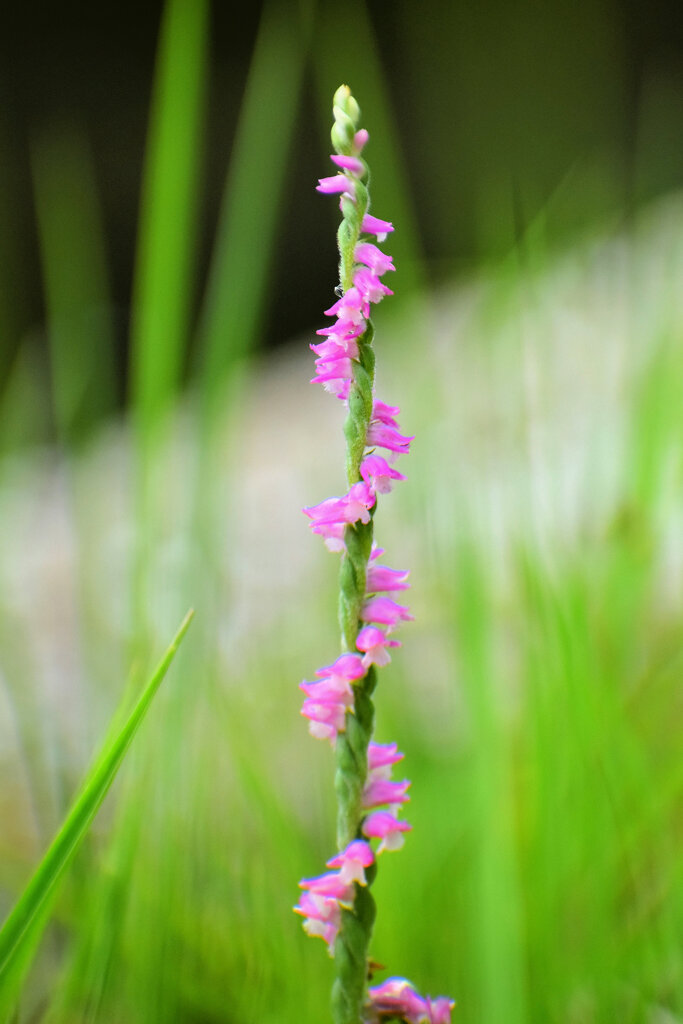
<point x="337" y="905"/>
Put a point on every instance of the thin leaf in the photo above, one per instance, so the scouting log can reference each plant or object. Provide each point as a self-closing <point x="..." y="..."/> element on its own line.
<point x="18" y="931"/>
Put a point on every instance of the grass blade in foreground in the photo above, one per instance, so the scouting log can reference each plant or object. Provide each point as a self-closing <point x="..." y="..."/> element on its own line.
<point x="18" y="927"/>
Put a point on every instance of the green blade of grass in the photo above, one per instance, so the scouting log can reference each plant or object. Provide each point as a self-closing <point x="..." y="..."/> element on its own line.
<point x="72" y="252"/>
<point x="164" y="271"/>
<point x="20" y="930"/>
<point x="251" y="205"/>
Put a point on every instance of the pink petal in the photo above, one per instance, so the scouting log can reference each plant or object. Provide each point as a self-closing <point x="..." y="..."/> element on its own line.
<point x="351" y="308"/>
<point x="330" y="690"/>
<point x="381" y="577"/>
<point x="349" y="163"/>
<point x="388" y="437"/>
<point x="360" y="139"/>
<point x="330" y="885"/>
<point x="348" y="509"/>
<point x="380" y="791"/>
<point x="439" y="1010"/>
<point x="374" y="258"/>
<point x="374" y="226"/>
<point x="353" y="860"/>
<point x="398" y="998"/>
<point x="373" y="642"/>
<point x="383" y="825"/>
<point x="385" y="611"/>
<point x="348" y="667"/>
<point x="336" y="348"/>
<point x="383" y="754"/>
<point x="369" y="285"/>
<point x="336" y="183"/>
<point x="385" y="413"/>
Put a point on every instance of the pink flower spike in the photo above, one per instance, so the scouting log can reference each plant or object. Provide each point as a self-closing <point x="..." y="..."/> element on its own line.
<point x="380" y="791"/>
<point x="388" y="437"/>
<point x="374" y="226"/>
<point x="385" y="611"/>
<point x="377" y="472"/>
<point x="336" y="183"/>
<point x="373" y="642"/>
<point x="352" y="861"/>
<point x="385" y="413"/>
<point x="360" y="139"/>
<point x="330" y="885"/>
<point x="383" y="825"/>
<point x="349" y="163"/>
<point x="381" y="577"/>
<point x="347" y="668"/>
<point x="383" y="755"/>
<point x="374" y="258"/>
<point x="375" y="551"/>
<point x="396" y="997"/>
<point x="369" y="285"/>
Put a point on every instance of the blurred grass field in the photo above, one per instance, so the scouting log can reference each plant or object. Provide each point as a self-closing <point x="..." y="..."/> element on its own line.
<point x="537" y="696"/>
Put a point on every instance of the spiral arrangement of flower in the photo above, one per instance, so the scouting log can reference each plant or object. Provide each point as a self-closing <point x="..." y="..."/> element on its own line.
<point x="338" y="905"/>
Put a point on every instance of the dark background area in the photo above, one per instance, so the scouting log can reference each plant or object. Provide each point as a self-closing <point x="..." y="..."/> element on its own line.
<point x="495" y="104"/>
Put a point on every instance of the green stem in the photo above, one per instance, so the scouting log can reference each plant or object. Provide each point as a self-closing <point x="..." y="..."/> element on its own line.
<point x="351" y="950"/>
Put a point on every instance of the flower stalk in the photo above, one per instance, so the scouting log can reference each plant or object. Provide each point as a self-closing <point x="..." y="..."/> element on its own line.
<point x="338" y="906"/>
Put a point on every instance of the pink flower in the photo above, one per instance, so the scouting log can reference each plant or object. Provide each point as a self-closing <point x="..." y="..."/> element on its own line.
<point x="360" y="139"/>
<point x="385" y="413"/>
<point x="380" y="791"/>
<point x="396" y="997"/>
<point x="352" y="308"/>
<point x="337" y="347"/>
<point x="385" y="611"/>
<point x="353" y="860"/>
<point x="332" y="534"/>
<point x="343" y="331"/>
<point x="381" y="577"/>
<point x="326" y="719"/>
<point x="381" y="756"/>
<point x="439" y="1010"/>
<point x="388" y="437"/>
<point x="348" y="509"/>
<point x="349" y="163"/>
<point x="369" y="285"/>
<point x="331" y="885"/>
<point x="337" y="386"/>
<point x="371" y="256"/>
<point x="330" y="690"/>
<point x="336" y="183"/>
<point x="373" y="642"/>
<point x="383" y="825"/>
<point x="348" y="667"/>
<point x="322" y="917"/>
<point x="374" y="226"/>
<point x="332" y="369"/>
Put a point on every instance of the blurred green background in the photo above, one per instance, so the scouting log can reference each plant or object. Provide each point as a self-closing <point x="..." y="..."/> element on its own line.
<point x="164" y="262"/>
